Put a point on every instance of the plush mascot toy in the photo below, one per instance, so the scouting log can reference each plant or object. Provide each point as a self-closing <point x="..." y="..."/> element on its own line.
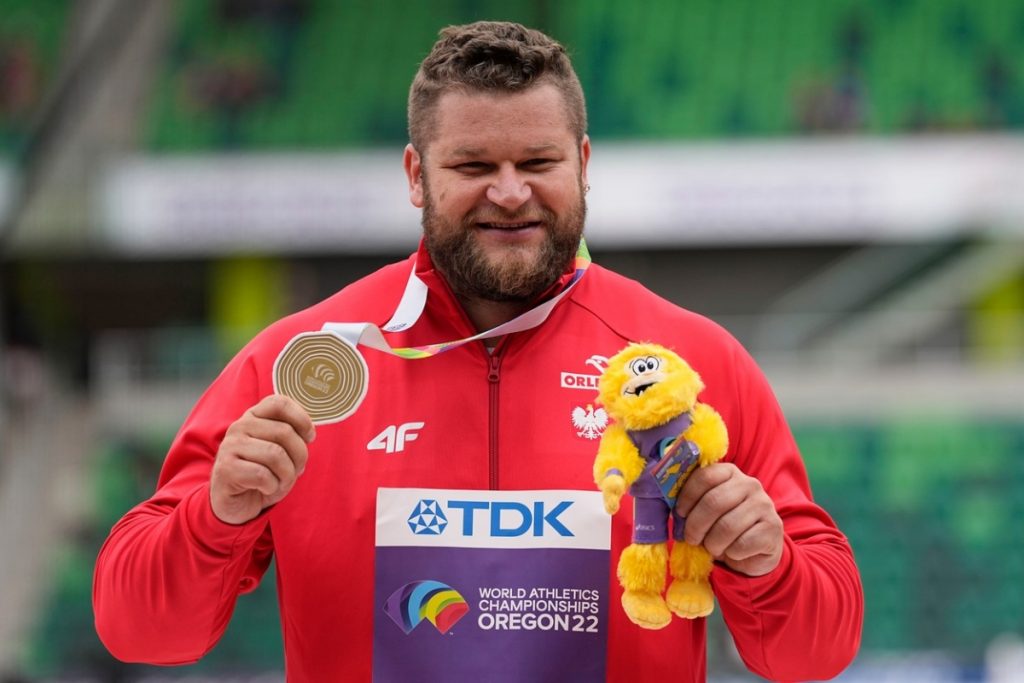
<point x="659" y="435"/>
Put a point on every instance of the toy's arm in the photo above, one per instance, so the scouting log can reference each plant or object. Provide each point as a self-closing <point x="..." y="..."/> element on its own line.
<point x="707" y="431"/>
<point x="618" y="464"/>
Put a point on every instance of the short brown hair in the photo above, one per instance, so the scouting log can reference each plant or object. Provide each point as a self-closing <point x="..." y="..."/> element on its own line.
<point x="495" y="56"/>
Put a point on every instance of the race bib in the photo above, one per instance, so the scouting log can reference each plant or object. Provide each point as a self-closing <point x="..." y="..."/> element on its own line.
<point x="490" y="586"/>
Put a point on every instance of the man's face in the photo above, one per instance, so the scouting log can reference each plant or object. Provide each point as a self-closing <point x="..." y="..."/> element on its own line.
<point x="501" y="188"/>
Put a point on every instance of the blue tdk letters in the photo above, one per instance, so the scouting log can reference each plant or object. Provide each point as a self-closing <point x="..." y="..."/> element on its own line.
<point x="511" y="518"/>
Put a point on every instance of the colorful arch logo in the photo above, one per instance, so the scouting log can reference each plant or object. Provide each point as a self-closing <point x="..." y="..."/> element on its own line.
<point x="441" y="604"/>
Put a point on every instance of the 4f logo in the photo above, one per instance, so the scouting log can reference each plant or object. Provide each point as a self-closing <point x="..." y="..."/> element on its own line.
<point x="394" y="437"/>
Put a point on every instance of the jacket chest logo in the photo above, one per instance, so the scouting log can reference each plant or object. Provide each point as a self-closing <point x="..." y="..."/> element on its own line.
<point x="394" y="438"/>
<point x="585" y="380"/>
<point x="587" y="421"/>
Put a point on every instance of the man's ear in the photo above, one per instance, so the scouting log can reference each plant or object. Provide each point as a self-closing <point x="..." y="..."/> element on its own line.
<point x="414" y="173"/>
<point x="584" y="158"/>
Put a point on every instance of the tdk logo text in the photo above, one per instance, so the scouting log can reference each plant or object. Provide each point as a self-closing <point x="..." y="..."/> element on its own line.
<point x="496" y="519"/>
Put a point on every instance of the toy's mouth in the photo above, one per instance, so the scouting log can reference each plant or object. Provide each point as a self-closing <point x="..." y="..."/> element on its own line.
<point x="638" y="385"/>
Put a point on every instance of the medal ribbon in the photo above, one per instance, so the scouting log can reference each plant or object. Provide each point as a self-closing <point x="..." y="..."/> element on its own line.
<point x="413" y="301"/>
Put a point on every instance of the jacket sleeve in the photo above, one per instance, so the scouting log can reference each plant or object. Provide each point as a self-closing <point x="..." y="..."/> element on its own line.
<point x="803" y="620"/>
<point x="168" y="575"/>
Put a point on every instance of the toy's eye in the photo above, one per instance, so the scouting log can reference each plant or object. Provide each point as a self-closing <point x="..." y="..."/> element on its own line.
<point x="640" y="366"/>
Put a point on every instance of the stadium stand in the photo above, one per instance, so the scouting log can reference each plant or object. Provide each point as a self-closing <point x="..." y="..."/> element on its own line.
<point x="925" y="505"/>
<point x="702" y="70"/>
<point x="30" y="45"/>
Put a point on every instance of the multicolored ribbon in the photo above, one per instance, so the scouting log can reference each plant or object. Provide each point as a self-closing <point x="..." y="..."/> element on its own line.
<point x="411" y="306"/>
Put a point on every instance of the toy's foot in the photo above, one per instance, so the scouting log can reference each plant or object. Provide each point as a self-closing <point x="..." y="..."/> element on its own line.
<point x="690" y="599"/>
<point x="647" y="610"/>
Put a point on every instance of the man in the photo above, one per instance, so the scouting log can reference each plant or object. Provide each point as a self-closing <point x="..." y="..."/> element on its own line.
<point x="498" y="163"/>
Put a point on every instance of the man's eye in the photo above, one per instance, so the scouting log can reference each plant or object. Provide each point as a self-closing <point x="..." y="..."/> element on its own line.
<point x="539" y="163"/>
<point x="471" y="167"/>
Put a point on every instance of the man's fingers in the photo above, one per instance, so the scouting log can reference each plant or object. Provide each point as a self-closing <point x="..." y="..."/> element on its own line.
<point x="282" y="435"/>
<point x="728" y="529"/>
<point x="757" y="540"/>
<point x="716" y="503"/>
<point x="284" y="409"/>
<point x="730" y="514"/>
<point x="259" y="458"/>
<point x="252" y="476"/>
<point x="700" y="482"/>
<point x="273" y="456"/>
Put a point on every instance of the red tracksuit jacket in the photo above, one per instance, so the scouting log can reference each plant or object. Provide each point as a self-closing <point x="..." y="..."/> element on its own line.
<point x="168" y="576"/>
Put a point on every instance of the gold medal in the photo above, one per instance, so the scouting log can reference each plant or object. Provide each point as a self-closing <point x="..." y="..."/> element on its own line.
<point x="324" y="373"/>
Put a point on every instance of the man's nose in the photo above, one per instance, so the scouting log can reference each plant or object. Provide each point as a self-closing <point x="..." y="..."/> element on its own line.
<point x="509" y="189"/>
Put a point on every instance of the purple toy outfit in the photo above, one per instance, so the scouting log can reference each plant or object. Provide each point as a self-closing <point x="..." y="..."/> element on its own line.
<point x="651" y="505"/>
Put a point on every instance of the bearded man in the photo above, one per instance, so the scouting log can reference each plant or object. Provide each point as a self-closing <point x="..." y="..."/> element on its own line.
<point x="485" y="321"/>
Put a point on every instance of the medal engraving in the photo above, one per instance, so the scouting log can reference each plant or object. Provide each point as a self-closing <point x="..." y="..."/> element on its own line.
<point x="325" y="374"/>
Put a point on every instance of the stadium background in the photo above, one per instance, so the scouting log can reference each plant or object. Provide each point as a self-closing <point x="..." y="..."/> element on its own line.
<point x="837" y="182"/>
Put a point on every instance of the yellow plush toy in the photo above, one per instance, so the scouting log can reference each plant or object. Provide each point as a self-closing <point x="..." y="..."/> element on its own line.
<point x="659" y="435"/>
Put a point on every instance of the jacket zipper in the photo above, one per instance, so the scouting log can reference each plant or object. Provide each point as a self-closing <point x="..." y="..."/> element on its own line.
<point x="493" y="376"/>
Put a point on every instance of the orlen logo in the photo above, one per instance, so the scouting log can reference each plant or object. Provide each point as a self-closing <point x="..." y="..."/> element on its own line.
<point x="487" y="518"/>
<point x="580" y="380"/>
<point x="437" y="602"/>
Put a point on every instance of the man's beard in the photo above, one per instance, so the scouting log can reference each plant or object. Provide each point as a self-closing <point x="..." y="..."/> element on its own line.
<point x="523" y="274"/>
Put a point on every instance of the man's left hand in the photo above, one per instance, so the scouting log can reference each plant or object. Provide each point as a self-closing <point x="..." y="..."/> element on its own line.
<point x="732" y="516"/>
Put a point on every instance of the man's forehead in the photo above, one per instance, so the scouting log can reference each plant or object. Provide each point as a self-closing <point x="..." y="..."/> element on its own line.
<point x="477" y="122"/>
<point x="483" y="150"/>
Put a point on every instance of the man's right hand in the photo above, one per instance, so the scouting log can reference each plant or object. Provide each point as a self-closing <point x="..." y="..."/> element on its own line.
<point x="262" y="455"/>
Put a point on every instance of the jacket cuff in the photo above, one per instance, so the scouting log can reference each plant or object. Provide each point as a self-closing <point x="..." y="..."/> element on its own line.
<point x="211" y="533"/>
